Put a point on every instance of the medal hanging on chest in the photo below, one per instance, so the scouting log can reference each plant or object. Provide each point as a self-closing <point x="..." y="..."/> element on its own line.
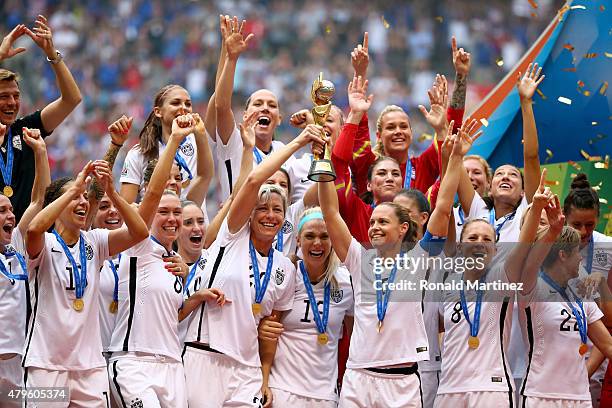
<point x="80" y="274"/>
<point x="260" y="287"/>
<point x="320" y="321"/>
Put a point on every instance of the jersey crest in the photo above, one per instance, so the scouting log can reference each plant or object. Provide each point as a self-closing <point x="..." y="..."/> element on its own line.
<point x="337" y="295"/>
<point x="136" y="403"/>
<point x="279" y="276"/>
<point x="187" y="149"/>
<point x="89" y="252"/>
<point x="601" y="257"/>
<point x="17" y="142"/>
<point x="287" y="227"/>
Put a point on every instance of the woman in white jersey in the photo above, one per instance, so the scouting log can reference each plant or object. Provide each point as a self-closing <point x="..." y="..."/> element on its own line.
<point x="15" y="305"/>
<point x="388" y="338"/>
<point x="222" y="343"/>
<point x="302" y="369"/>
<point x="556" y="322"/>
<point x="145" y="366"/>
<point x="63" y="346"/>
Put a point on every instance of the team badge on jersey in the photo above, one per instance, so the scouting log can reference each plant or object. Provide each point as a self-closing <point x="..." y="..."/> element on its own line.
<point x="279" y="276"/>
<point x="88" y="251"/>
<point x="202" y="263"/>
<point x="287" y="227"/>
<point x="337" y="295"/>
<point x="601" y="257"/>
<point x="124" y="171"/>
<point x="137" y="403"/>
<point x="17" y="142"/>
<point x="187" y="149"/>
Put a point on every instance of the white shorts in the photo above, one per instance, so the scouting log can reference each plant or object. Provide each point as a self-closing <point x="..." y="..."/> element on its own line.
<point x="215" y="380"/>
<point x="429" y="383"/>
<point x="11" y="378"/>
<point x="282" y="398"/>
<point x="154" y="381"/>
<point x="489" y="399"/>
<point x="86" y="388"/>
<point x="536" y="402"/>
<point x="363" y="388"/>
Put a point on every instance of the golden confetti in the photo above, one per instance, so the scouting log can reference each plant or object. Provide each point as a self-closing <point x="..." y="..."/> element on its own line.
<point x="565" y="100"/>
<point x="484" y="122"/>
<point x="585" y="154"/>
<point x="590" y="55"/>
<point x="569" y="69"/>
<point x="540" y="93"/>
<point x="608" y="54"/>
<point x="424" y="137"/>
<point x="594" y="123"/>
<point x="587" y="93"/>
<point x="597" y="187"/>
<point x="551" y="182"/>
<point x="579" y="7"/>
<point x="549" y="155"/>
<point x="608" y="216"/>
<point x="385" y="23"/>
<point x="569" y="46"/>
<point x="533" y="14"/>
<point x="595" y="158"/>
<point x="602" y="8"/>
<point x="439" y="19"/>
<point x="499" y="62"/>
<point x="603" y="200"/>
<point x="327" y="29"/>
<point x="600" y="165"/>
<point x="575" y="165"/>
<point x="604" y="88"/>
<point x="533" y="4"/>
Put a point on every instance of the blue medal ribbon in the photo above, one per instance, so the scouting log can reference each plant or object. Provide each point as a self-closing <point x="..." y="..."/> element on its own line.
<point x="80" y="276"/>
<point x="279" y="240"/>
<point x="320" y="322"/>
<point x="408" y="177"/>
<point x="191" y="274"/>
<point x="7" y="168"/>
<point x="475" y="325"/>
<point x="589" y="260"/>
<point x="258" y="157"/>
<point x="160" y="244"/>
<point x="260" y="287"/>
<point x="580" y="316"/>
<point x="381" y="304"/>
<point x="24" y="268"/>
<point x="506" y="218"/>
<point x="181" y="162"/>
<point x="116" y="275"/>
<point x="462" y="217"/>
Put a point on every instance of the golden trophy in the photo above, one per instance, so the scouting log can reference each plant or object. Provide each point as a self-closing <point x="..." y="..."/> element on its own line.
<point x="321" y="94"/>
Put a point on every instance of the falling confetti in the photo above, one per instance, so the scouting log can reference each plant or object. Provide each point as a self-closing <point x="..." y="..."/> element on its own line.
<point x="569" y="69"/>
<point x="327" y="29"/>
<point x="608" y="54"/>
<point x="569" y="47"/>
<point x="602" y="8"/>
<point x="439" y="19"/>
<point x="540" y="93"/>
<point x="533" y="14"/>
<point x="551" y="182"/>
<point x="549" y="155"/>
<point x="385" y="23"/>
<point x="590" y="55"/>
<point x="579" y="7"/>
<point x="424" y="137"/>
<point x="533" y="4"/>
<point x="597" y="187"/>
<point x="604" y="88"/>
<point x="585" y="154"/>
<point x="499" y="62"/>
<point x="594" y="123"/>
<point x="580" y="84"/>
<point x="565" y="100"/>
<point x="484" y="122"/>
<point x="603" y="200"/>
<point x="586" y="93"/>
<point x="575" y="165"/>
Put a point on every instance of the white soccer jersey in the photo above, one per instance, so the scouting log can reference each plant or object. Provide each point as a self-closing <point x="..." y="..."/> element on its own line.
<point x="229" y="156"/>
<point x="197" y="282"/>
<point x="508" y="226"/>
<point x="232" y="328"/>
<point x="485" y="368"/>
<point x="135" y="164"/>
<point x="289" y="228"/>
<point x="555" y="369"/>
<point x="431" y="300"/>
<point x="107" y="289"/>
<point x="59" y="337"/>
<point x="14" y="299"/>
<point x="403" y="338"/>
<point x="298" y="173"/>
<point x="302" y="366"/>
<point x="149" y="300"/>
<point x="601" y="259"/>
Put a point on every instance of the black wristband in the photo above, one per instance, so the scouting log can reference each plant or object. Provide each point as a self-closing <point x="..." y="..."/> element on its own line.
<point x="118" y="145"/>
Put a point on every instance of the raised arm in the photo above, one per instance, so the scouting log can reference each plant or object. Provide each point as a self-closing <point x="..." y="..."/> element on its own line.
<point x="135" y="229"/>
<point x="235" y="44"/>
<point x="360" y="58"/>
<point x="338" y="230"/>
<point x="181" y="127"/>
<point x="246" y="198"/>
<point x="6" y="47"/>
<point x="462" y="62"/>
<point x="210" y="119"/>
<point x="438" y="99"/>
<point x="42" y="176"/>
<point x="70" y="96"/>
<point x="46" y="217"/>
<point x="247" y="133"/>
<point x="205" y="165"/>
<point x="527" y="85"/>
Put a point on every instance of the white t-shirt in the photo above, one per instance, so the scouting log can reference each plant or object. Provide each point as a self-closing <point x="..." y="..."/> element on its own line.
<point x="298" y="173"/>
<point x="508" y="226"/>
<point x="107" y="289"/>
<point x="602" y="255"/>
<point x="194" y="284"/>
<point x="302" y="366"/>
<point x="149" y="300"/>
<point x="485" y="368"/>
<point x="232" y="328"/>
<point x="59" y="337"/>
<point x="229" y="156"/>
<point x="13" y="298"/>
<point x="403" y="338"/>
<point x="431" y="300"/>
<point x="556" y="369"/>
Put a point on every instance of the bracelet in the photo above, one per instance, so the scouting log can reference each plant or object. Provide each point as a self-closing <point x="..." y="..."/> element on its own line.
<point x="118" y="145"/>
<point x="58" y="58"/>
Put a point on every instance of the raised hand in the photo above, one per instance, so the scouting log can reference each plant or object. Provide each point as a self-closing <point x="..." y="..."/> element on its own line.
<point x="301" y="118"/>
<point x="104" y="174"/>
<point x="462" y="60"/>
<point x="360" y="58"/>
<point x="6" y="47"/>
<point x="120" y="129"/>
<point x="33" y="139"/>
<point x="438" y="99"/>
<point x="42" y="36"/>
<point x="182" y="126"/>
<point x="225" y="26"/>
<point x="465" y="137"/>
<point x="357" y="91"/>
<point x="543" y="195"/>
<point x="313" y="134"/>
<point x="236" y="43"/>
<point x="554" y="213"/>
<point x="528" y="83"/>
<point x="247" y="130"/>
<point x="199" y="130"/>
<point x="82" y="180"/>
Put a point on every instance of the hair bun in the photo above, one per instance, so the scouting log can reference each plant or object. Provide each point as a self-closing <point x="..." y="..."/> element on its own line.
<point x="580" y="181"/>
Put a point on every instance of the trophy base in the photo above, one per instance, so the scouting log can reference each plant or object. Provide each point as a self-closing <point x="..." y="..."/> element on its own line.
<point x="321" y="171"/>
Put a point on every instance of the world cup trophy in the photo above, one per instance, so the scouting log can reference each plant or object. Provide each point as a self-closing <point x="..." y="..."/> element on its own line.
<point x="322" y="91"/>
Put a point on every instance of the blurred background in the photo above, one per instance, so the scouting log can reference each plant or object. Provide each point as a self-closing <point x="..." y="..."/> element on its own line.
<point x="121" y="52"/>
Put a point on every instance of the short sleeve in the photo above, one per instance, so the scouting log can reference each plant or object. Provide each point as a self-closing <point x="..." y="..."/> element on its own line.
<point x="224" y="236"/>
<point x="592" y="311"/>
<point x="133" y="170"/>
<point x="99" y="239"/>
<point x="478" y="209"/>
<point x="353" y="260"/>
<point x="36" y="261"/>
<point x="32" y="121"/>
<point x="285" y="300"/>
<point x="18" y="242"/>
<point x="231" y="150"/>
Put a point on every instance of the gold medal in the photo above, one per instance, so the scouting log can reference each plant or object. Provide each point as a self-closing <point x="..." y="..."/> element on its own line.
<point x="583" y="349"/>
<point x="379" y="326"/>
<point x="113" y="307"/>
<point x="77" y="304"/>
<point x="322" y="339"/>
<point x="473" y="342"/>
<point x="8" y="191"/>
<point x="256" y="308"/>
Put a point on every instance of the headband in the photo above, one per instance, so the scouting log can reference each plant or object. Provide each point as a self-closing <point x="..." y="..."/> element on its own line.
<point x="316" y="215"/>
